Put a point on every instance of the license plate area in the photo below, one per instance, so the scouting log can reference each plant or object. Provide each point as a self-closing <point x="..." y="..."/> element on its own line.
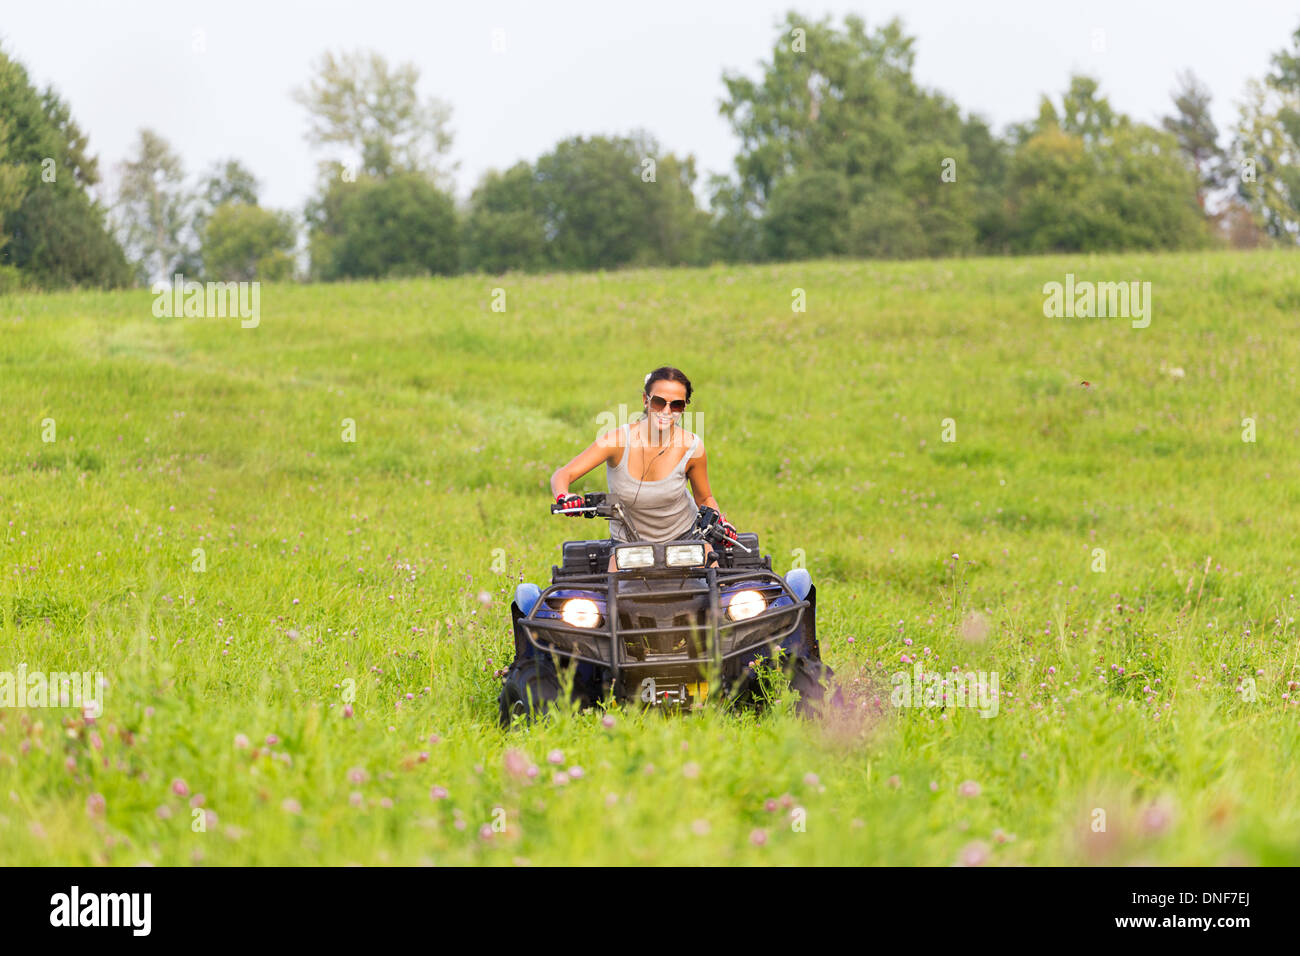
<point x="663" y="693"/>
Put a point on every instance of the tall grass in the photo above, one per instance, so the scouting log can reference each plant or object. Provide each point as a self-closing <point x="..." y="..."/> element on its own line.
<point x="371" y="568"/>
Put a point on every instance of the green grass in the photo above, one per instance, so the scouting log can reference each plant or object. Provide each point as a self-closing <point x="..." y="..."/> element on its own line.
<point x="329" y="562"/>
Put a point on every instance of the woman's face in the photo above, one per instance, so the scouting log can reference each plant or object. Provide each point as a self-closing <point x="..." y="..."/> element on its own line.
<point x="670" y="392"/>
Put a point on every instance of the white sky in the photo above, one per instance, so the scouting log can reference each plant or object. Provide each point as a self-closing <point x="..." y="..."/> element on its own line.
<point x="584" y="67"/>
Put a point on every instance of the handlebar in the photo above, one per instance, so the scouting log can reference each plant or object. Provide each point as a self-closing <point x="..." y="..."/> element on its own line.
<point x="593" y="506"/>
<point x="708" y="523"/>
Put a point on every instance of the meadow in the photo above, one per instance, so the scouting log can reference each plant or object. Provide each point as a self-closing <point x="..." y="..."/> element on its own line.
<point x="300" y="635"/>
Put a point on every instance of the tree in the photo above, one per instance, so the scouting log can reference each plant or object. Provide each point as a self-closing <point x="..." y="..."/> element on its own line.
<point x="1268" y="143"/>
<point x="987" y="159"/>
<point x="226" y="182"/>
<point x="1197" y="135"/>
<point x="505" y="227"/>
<point x="229" y="182"/>
<point x="400" y="226"/>
<point x="1084" y="113"/>
<point x="12" y="181"/>
<point x="807" y="215"/>
<point x="843" y="100"/>
<point x="613" y="201"/>
<point x="1286" y="66"/>
<point x="356" y="101"/>
<point x="840" y="110"/>
<point x="675" y="225"/>
<point x="243" y="242"/>
<point x="1089" y="179"/>
<point x="735" y="229"/>
<point x="1267" y="160"/>
<point x="153" y="207"/>
<point x="52" y="231"/>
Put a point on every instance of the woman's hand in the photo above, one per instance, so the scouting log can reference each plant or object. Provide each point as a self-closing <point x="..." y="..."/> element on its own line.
<point x="568" y="502"/>
<point x="728" y="529"/>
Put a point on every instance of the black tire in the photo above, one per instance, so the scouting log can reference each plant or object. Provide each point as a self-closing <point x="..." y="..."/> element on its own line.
<point x="811" y="678"/>
<point x="531" y="686"/>
<point x="806" y="674"/>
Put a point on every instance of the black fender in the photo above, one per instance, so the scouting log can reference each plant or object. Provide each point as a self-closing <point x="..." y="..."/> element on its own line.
<point x="534" y="674"/>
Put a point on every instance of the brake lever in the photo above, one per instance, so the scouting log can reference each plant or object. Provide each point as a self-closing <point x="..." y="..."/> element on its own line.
<point x="711" y="530"/>
<point x="736" y="544"/>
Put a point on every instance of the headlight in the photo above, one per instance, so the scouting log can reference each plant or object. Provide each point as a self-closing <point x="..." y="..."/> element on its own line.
<point x="683" y="555"/>
<point x="627" y="558"/>
<point x="580" y="612"/>
<point x="745" y="604"/>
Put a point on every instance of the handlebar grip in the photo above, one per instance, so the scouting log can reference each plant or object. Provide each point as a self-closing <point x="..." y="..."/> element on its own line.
<point x="593" y="504"/>
<point x="591" y="500"/>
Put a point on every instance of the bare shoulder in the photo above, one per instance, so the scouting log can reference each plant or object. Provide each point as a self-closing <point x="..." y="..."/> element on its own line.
<point x="612" y="441"/>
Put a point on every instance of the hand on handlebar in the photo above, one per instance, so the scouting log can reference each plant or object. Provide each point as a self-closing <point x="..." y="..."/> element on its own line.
<point x="713" y="524"/>
<point x="567" y="503"/>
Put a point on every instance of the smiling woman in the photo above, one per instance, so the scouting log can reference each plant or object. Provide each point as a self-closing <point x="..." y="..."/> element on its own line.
<point x="648" y="464"/>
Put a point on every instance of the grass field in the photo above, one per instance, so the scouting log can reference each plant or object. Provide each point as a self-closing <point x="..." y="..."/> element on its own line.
<point x="1158" y="691"/>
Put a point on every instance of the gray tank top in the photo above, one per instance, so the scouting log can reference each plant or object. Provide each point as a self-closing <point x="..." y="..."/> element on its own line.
<point x="663" y="509"/>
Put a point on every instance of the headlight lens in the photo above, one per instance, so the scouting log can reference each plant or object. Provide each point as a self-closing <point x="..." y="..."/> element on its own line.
<point x="746" y="604"/>
<point x="683" y="555"/>
<point x="627" y="558"/>
<point x="580" y="612"/>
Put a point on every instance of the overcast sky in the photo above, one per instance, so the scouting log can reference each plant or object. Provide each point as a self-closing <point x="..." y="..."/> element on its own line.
<point x="573" y="68"/>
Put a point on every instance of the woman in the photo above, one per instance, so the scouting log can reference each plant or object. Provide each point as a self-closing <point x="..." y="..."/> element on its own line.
<point x="648" y="464"/>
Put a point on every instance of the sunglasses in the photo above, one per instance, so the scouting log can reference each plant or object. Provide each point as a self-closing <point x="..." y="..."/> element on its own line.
<point x="658" y="403"/>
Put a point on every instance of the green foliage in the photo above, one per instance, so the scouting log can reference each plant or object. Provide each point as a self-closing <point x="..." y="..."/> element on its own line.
<point x="596" y="203"/>
<point x="843" y="151"/>
<point x="1267" y="157"/>
<point x="505" y="227"/>
<point x="827" y="99"/>
<point x="393" y="217"/>
<point x="373" y="112"/>
<point x="1197" y="135"/>
<point x="51" y="230"/>
<point x="154" y="208"/>
<point x="230" y="182"/>
<point x="1286" y="66"/>
<point x="735" y="227"/>
<point x="807" y="215"/>
<point x="599" y="212"/>
<point x="401" y="225"/>
<point x="882" y="226"/>
<point x="242" y="242"/>
<point x="985" y="179"/>
<point x="1266" y="148"/>
<point x="1089" y="180"/>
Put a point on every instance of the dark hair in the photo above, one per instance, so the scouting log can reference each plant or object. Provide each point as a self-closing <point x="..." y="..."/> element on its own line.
<point x="669" y="374"/>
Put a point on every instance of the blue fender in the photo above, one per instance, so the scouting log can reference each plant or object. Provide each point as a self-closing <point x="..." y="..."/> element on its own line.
<point x="526" y="596"/>
<point x="800" y="582"/>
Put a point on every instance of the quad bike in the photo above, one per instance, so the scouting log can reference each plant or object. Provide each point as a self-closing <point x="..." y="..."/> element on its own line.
<point x="664" y="629"/>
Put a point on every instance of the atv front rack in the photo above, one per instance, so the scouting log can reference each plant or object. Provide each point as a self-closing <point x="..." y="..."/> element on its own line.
<point x="722" y="639"/>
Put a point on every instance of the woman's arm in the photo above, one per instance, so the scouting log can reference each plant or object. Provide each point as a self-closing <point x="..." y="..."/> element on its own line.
<point x="599" y="452"/>
<point x="698" y="473"/>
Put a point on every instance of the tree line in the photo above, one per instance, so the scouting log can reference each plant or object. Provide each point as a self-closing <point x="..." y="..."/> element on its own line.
<point x="842" y="153"/>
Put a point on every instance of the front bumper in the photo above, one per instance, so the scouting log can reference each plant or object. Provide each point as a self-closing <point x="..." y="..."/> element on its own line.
<point x="664" y="622"/>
